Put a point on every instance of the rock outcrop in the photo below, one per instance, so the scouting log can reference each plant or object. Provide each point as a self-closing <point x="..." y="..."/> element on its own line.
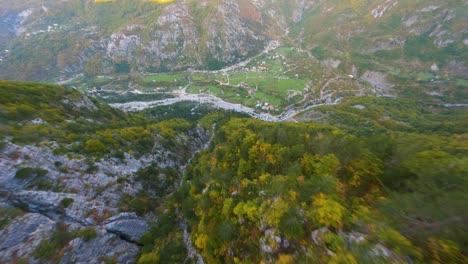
<point x="58" y="191"/>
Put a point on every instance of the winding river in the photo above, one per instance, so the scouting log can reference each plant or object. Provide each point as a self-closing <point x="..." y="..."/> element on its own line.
<point x="219" y="103"/>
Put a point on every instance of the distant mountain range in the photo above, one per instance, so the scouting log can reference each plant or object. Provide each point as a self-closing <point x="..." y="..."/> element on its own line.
<point x="42" y="39"/>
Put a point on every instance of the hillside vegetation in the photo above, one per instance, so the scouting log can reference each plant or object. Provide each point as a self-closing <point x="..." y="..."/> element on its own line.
<point x="313" y="193"/>
<point x="389" y="185"/>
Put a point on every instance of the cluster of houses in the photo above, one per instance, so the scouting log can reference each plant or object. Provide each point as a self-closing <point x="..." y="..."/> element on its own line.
<point x="256" y="68"/>
<point x="262" y="66"/>
<point x="265" y="106"/>
<point x="94" y="90"/>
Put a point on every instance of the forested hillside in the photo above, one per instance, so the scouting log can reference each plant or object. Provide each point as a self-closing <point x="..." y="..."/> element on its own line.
<point x="309" y="193"/>
<point x="387" y="183"/>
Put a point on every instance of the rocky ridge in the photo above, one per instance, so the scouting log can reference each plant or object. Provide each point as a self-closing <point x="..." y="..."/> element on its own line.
<point x="77" y="199"/>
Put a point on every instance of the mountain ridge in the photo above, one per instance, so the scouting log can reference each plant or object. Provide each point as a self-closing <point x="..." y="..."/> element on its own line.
<point x="170" y="36"/>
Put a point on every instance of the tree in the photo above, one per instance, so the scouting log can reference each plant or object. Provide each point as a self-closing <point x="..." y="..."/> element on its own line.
<point x="94" y="146"/>
<point x="327" y="211"/>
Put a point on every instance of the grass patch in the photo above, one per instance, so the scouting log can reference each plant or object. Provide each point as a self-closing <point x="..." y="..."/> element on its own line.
<point x="163" y="78"/>
<point x="424" y="76"/>
<point x="461" y="82"/>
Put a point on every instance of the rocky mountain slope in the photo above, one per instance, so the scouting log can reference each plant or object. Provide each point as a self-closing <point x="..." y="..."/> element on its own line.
<point x="401" y="39"/>
<point x="80" y="196"/>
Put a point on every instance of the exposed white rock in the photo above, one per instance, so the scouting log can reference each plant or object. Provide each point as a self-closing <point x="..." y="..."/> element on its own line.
<point x="360" y="107"/>
<point x="379" y="81"/>
<point x="38" y="121"/>
<point x="409" y="21"/>
<point x="128" y="225"/>
<point x="317" y="234"/>
<point x="429" y="8"/>
<point x="122" y="46"/>
<point x="270" y="241"/>
<point x="380" y="10"/>
<point x="380" y="250"/>
<point x="458" y="68"/>
<point x="105" y="245"/>
<point x="93" y="199"/>
<point x="22" y="236"/>
<point x="332" y="63"/>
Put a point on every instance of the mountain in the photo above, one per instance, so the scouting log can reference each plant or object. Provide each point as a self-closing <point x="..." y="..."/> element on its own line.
<point x="396" y="37"/>
<point x="237" y="131"/>
<point x="83" y="182"/>
<point x="77" y="176"/>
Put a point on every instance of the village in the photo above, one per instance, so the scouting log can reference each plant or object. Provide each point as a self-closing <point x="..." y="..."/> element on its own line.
<point x="271" y="83"/>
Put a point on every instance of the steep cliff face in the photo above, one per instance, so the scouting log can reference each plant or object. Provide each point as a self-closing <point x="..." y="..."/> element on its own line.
<point x="187" y="35"/>
<point x="144" y="37"/>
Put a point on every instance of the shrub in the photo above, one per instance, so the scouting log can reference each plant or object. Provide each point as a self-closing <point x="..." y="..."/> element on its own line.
<point x="94" y="146"/>
<point x="2" y="145"/>
<point x="42" y="184"/>
<point x="49" y="249"/>
<point x="8" y="214"/>
<point x="29" y="172"/>
<point x="60" y="151"/>
<point x="66" y="202"/>
<point x="86" y="234"/>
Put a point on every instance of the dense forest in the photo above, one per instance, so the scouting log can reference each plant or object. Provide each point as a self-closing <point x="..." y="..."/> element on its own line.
<point x="309" y="193"/>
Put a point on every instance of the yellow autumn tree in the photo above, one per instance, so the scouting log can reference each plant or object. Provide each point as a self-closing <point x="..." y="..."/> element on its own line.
<point x="285" y="259"/>
<point x="327" y="211"/>
<point x="201" y="241"/>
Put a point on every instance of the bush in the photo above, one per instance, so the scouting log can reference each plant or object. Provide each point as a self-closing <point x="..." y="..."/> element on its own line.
<point x="49" y="249"/>
<point x="86" y="234"/>
<point x="60" y="151"/>
<point x="42" y="184"/>
<point x="2" y="145"/>
<point x="66" y="202"/>
<point x="29" y="172"/>
<point x="94" y="146"/>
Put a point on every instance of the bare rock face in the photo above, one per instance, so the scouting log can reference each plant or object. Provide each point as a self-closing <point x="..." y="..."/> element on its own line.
<point x="458" y="68"/>
<point x="23" y="235"/>
<point x="379" y="81"/>
<point x="332" y="63"/>
<point x="179" y="39"/>
<point x="76" y="199"/>
<point x="388" y="44"/>
<point x="127" y="225"/>
<point x="105" y="246"/>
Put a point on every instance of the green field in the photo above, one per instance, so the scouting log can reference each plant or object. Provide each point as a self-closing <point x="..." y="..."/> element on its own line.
<point x="163" y="78"/>
<point x="276" y="79"/>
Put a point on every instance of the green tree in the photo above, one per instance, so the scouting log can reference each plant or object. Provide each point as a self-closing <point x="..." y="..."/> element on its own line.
<point x="94" y="146"/>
